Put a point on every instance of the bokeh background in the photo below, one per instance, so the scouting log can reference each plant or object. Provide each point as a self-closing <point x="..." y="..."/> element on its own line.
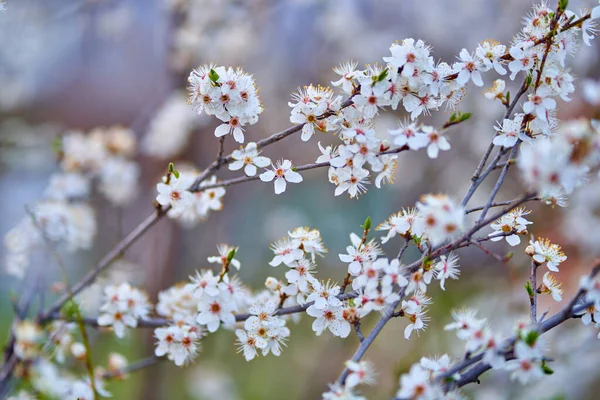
<point x="81" y="64"/>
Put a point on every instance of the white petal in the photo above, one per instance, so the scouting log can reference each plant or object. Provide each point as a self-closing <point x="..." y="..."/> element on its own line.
<point x="292" y="176"/>
<point x="280" y="185"/>
<point x="250" y="170"/>
<point x="267" y="176"/>
<point x="513" y="240"/>
<point x="222" y="130"/>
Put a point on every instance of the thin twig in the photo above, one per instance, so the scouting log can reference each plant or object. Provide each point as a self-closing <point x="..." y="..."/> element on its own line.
<point x="533" y="297"/>
<point x="135" y="366"/>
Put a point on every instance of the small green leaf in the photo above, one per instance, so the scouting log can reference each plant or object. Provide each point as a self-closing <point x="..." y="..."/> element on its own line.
<point x="57" y="145"/>
<point x="563" y="4"/>
<point x="231" y="254"/>
<point x="382" y="75"/>
<point x="465" y="116"/>
<point x="529" y="80"/>
<point x="171" y="167"/>
<point x="453" y="117"/>
<point x="176" y="173"/>
<point x="367" y="224"/>
<point x="529" y="289"/>
<point x="547" y="370"/>
<point x="294" y="169"/>
<point x="416" y="239"/>
<point x="213" y="76"/>
<point x="531" y="338"/>
<point x="70" y="309"/>
<point x="507" y="97"/>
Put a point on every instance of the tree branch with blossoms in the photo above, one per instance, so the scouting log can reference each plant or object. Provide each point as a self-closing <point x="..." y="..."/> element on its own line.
<point x="553" y="161"/>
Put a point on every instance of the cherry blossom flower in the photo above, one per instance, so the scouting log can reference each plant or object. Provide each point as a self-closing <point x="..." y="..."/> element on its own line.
<point x="496" y="91"/>
<point x="348" y="74"/>
<point x="325" y="296"/>
<point x="540" y="103"/>
<point x="509" y="132"/>
<point x="212" y="312"/>
<point x="175" y="193"/>
<point x="249" y="159"/>
<point x="341" y="392"/>
<point x="29" y="338"/>
<point x="437" y="141"/>
<point x="286" y="251"/>
<point x="359" y="373"/>
<point x="282" y="172"/>
<point x="546" y="252"/>
<point x="465" y="322"/>
<point x="446" y="268"/>
<point x="522" y="60"/>
<point x="490" y="53"/>
<point x="408" y="134"/>
<point x="551" y="285"/>
<point x="352" y="180"/>
<point x="416" y="385"/>
<point x="440" y="218"/>
<point x="330" y="318"/>
<point x="123" y="306"/>
<point x="469" y="68"/>
<point x="513" y="222"/>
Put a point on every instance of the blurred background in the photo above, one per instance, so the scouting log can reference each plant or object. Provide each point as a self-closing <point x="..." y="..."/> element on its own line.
<point x="80" y="64"/>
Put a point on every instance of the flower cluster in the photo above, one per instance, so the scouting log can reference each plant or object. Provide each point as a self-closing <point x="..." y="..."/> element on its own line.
<point x="435" y="219"/>
<point x="558" y="164"/>
<point x="64" y="214"/>
<point x="440" y="218"/>
<point x="38" y="346"/>
<point x="359" y="373"/>
<point x="510" y="226"/>
<point x="229" y="94"/>
<point x="185" y="206"/>
<point x="425" y="380"/>
<point x="543" y="251"/>
<point x="591" y="287"/>
<point x="170" y="128"/>
<point x="262" y="330"/>
<point x="123" y="307"/>
<point x="179" y="342"/>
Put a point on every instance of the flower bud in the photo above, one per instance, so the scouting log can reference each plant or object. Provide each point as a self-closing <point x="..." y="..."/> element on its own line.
<point x="116" y="362"/>
<point x="272" y="283"/>
<point x="530" y="251"/>
<point x="78" y="350"/>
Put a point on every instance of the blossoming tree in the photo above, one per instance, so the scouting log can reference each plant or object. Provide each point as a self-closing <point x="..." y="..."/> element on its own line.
<point x="554" y="158"/>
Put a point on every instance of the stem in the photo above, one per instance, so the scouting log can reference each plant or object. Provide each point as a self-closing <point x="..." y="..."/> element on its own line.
<point x="533" y="297"/>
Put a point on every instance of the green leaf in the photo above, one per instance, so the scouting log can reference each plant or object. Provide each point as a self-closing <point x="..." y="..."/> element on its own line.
<point x="367" y="225"/>
<point x="230" y="255"/>
<point x="382" y="75"/>
<point x="171" y="167"/>
<point x="547" y="370"/>
<point x="176" y="173"/>
<point x="465" y="116"/>
<point x="70" y="309"/>
<point x="563" y="4"/>
<point x="531" y="338"/>
<point x="453" y="117"/>
<point x="213" y="76"/>
<point x="529" y="289"/>
<point x="57" y="145"/>
<point x="416" y="239"/>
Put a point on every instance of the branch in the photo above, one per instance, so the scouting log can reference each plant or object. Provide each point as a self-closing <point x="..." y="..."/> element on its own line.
<point x="161" y="321"/>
